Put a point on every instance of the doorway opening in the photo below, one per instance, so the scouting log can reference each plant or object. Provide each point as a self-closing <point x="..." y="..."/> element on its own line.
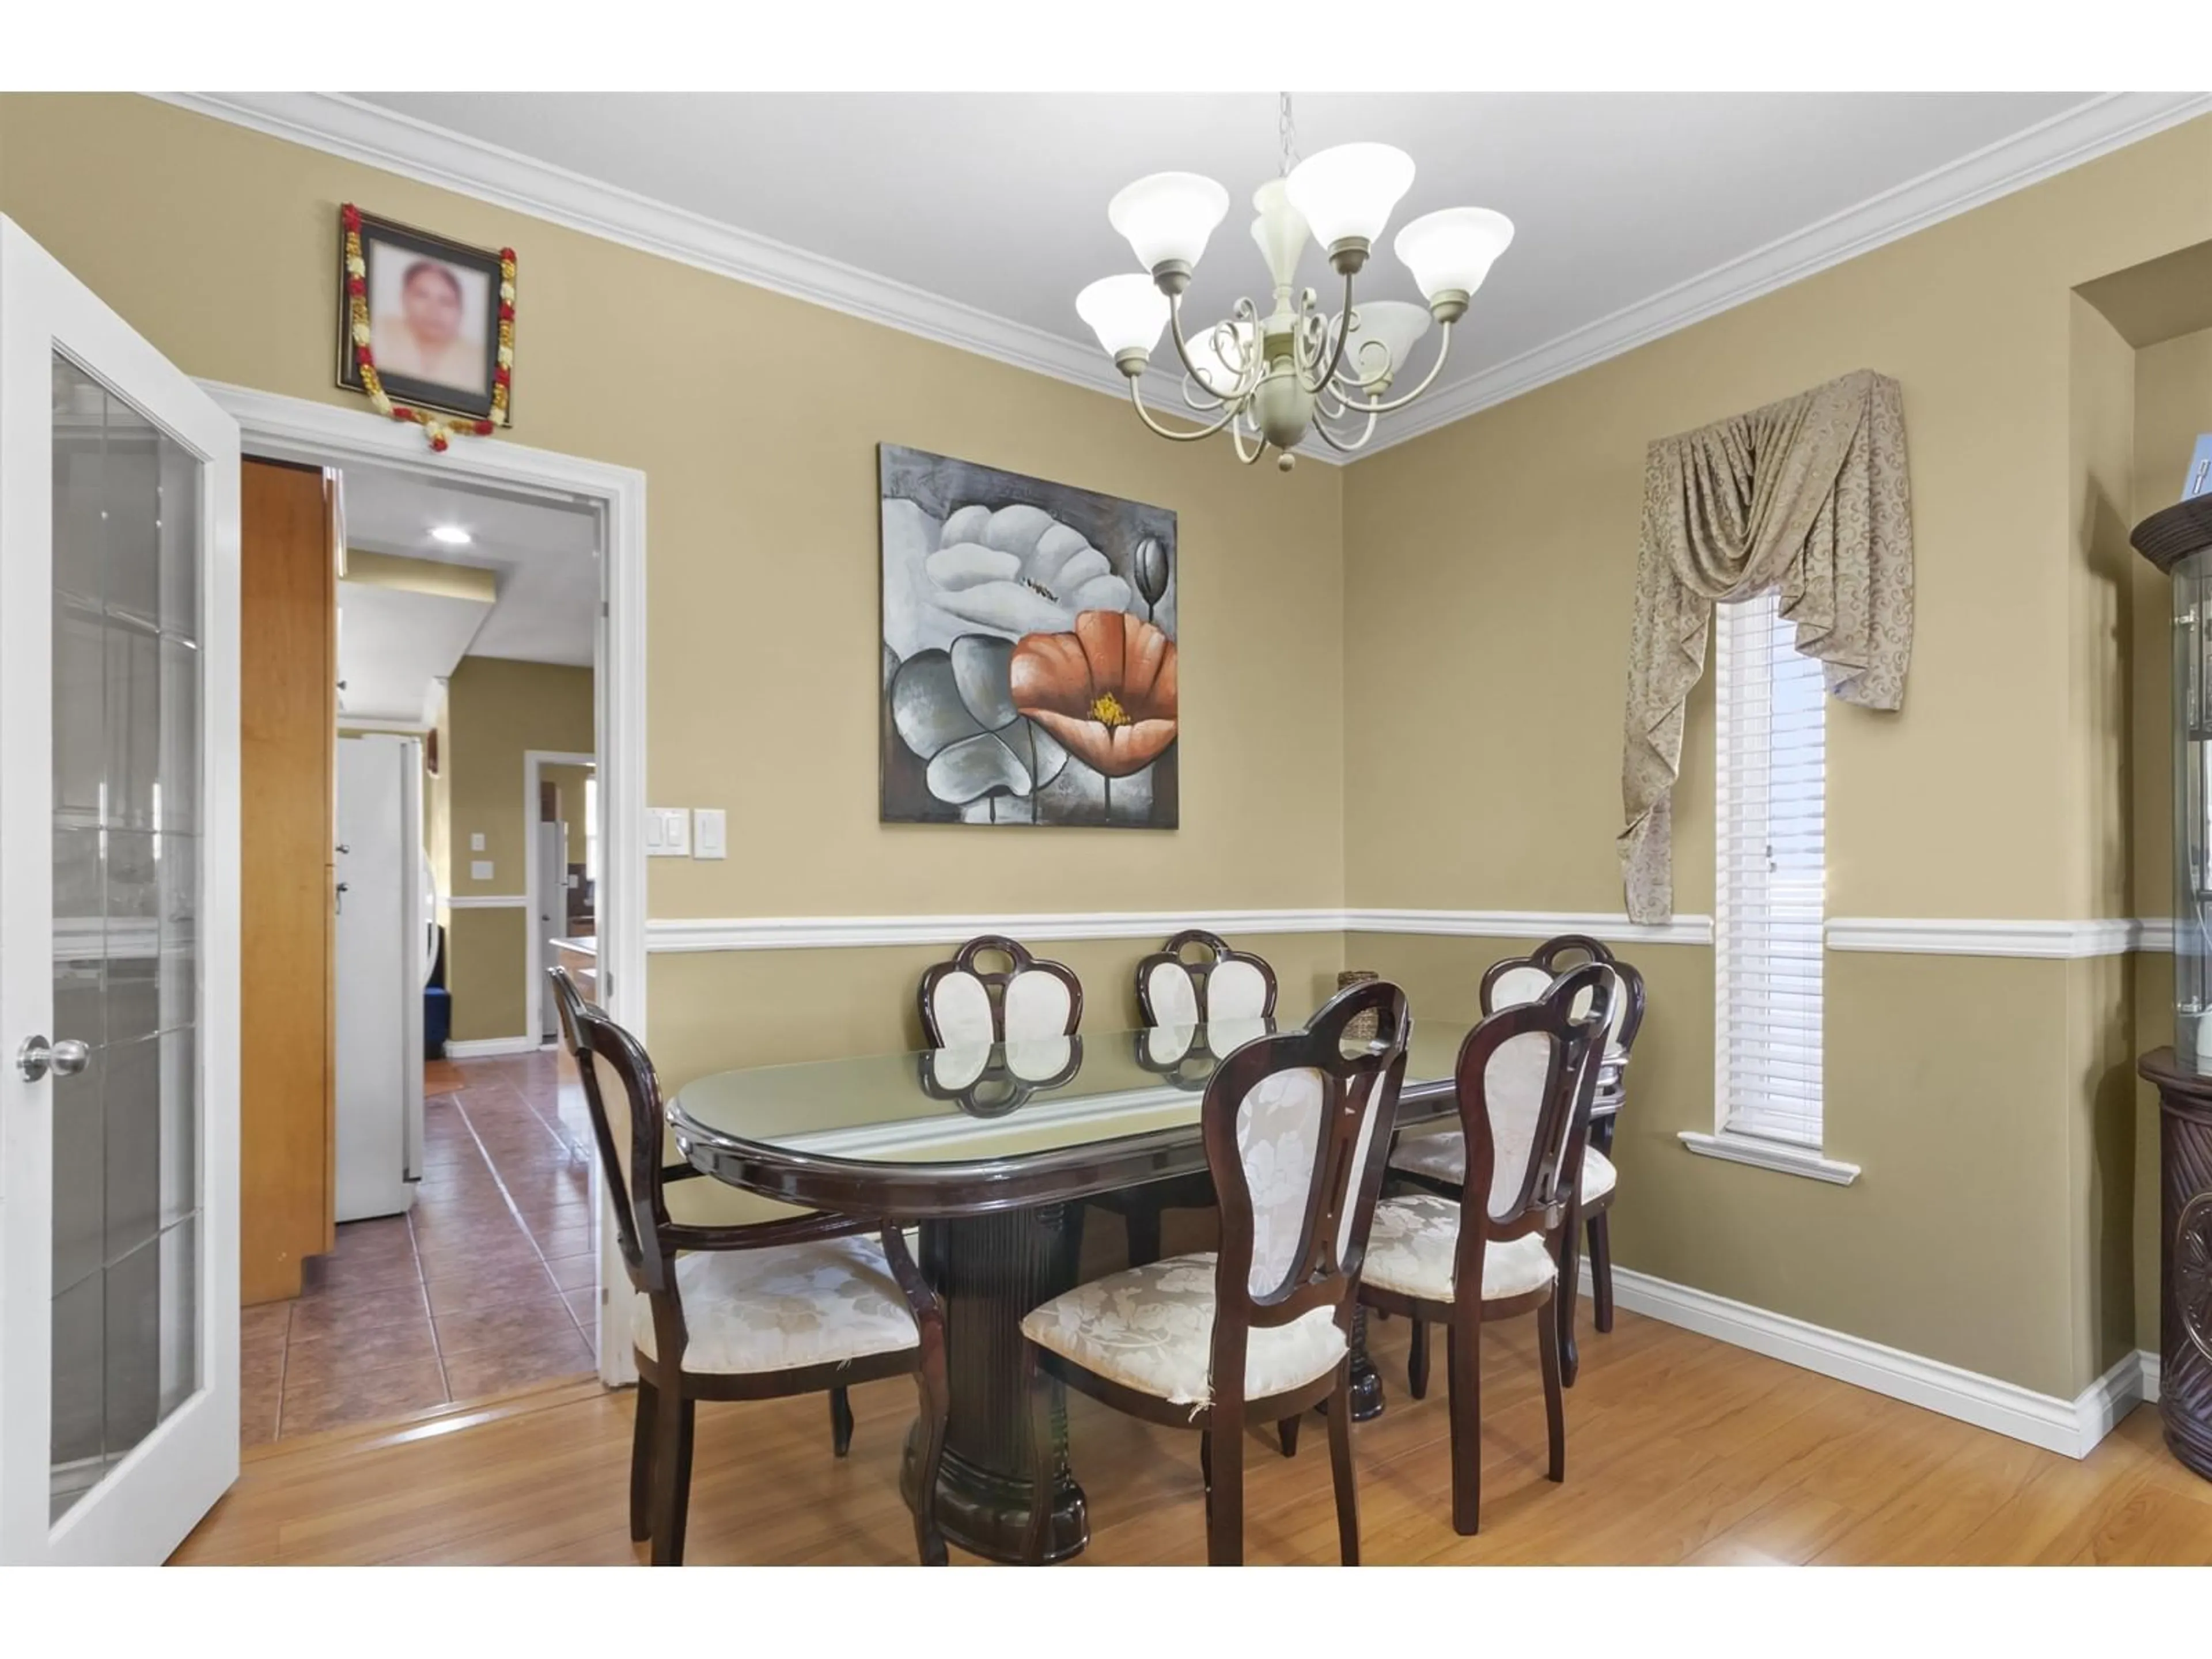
<point x="485" y="674"/>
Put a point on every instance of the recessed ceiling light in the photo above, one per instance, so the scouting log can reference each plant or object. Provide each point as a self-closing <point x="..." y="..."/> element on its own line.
<point x="451" y="534"/>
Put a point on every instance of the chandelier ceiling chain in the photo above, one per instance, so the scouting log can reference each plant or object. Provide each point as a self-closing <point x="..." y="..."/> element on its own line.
<point x="1268" y="379"/>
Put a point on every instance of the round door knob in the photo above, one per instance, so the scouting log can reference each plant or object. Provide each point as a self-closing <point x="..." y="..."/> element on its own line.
<point x="66" y="1058"/>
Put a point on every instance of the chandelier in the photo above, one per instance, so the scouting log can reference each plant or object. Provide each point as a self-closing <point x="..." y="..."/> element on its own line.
<point x="1266" y="380"/>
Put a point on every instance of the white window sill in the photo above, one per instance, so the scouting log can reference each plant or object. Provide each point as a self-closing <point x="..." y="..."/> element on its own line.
<point x="1775" y="1155"/>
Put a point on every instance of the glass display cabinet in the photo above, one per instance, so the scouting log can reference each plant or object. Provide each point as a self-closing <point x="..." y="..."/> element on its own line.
<point x="2179" y="541"/>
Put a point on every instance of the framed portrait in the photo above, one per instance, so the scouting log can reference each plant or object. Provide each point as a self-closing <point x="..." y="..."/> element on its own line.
<point x="434" y="319"/>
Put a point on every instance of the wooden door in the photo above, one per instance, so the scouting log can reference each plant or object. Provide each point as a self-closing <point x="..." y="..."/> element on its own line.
<point x="288" y="734"/>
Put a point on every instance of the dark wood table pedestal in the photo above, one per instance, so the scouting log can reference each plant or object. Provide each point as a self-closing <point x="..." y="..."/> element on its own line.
<point x="991" y="1270"/>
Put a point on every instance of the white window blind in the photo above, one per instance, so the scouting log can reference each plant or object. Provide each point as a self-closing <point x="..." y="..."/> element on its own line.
<point x="1770" y="831"/>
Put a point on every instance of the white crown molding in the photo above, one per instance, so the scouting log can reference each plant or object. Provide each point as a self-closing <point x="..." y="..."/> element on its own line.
<point x="1612" y="927"/>
<point x="487" y="1047"/>
<point x="486" y="901"/>
<point x="1945" y="937"/>
<point x="2072" y="1427"/>
<point x="373" y="136"/>
<point x="2107" y="123"/>
<point x="346" y="127"/>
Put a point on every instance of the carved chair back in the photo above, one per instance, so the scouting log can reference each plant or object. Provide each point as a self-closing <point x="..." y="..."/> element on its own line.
<point x="1523" y="979"/>
<point x="964" y="1001"/>
<point x="1298" y="1131"/>
<point x="650" y="1239"/>
<point x="1196" y="978"/>
<point x="1527" y="1077"/>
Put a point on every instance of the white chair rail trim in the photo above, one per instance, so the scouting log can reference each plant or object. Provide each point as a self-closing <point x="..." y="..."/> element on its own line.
<point x="826" y="933"/>
<point x="1892" y="935"/>
<point x="2072" y="1427"/>
<point x="485" y="901"/>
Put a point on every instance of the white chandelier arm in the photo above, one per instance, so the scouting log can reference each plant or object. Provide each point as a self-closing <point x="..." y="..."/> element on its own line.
<point x="1244" y="311"/>
<point x="1236" y="435"/>
<point x="1443" y="351"/>
<point x="1144" y="414"/>
<point x="1344" y="381"/>
<point x="1341" y="332"/>
<point x="1200" y="398"/>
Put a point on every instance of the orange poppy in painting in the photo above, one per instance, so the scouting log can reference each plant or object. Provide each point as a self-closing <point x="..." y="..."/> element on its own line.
<point x="1107" y="692"/>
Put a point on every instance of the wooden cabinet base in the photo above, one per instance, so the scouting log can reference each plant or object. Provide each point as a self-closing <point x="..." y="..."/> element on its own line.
<point x="2184" y="1259"/>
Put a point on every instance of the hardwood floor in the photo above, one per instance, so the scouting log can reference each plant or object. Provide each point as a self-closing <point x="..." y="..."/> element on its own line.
<point x="1679" y="1449"/>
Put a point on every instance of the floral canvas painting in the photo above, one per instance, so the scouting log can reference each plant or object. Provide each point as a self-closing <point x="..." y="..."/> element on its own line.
<point x="1028" y="650"/>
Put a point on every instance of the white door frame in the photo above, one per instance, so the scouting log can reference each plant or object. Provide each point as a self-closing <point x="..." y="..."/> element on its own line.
<point x="533" y="985"/>
<point x="320" y="435"/>
<point x="145" y="1505"/>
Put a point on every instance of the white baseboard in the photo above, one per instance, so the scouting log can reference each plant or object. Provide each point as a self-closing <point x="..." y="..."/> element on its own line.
<point x="485" y="1047"/>
<point x="2072" y="1427"/>
<point x="2149" y="1362"/>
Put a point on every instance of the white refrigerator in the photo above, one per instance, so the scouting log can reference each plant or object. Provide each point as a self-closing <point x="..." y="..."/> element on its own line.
<point x="384" y="910"/>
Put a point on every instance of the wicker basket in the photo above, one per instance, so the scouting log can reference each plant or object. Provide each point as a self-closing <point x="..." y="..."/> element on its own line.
<point x="1362" y="1026"/>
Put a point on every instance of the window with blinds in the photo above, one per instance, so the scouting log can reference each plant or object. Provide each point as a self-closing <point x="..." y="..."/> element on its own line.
<point x="1770" y="831"/>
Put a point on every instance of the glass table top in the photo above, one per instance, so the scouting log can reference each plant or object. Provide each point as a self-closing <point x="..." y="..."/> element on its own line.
<point x="997" y="1100"/>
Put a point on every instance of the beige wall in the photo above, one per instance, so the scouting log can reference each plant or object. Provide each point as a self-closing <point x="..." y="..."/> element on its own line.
<point x="496" y="710"/>
<point x="763" y="567"/>
<point x="1489" y="572"/>
<point x="1402" y="680"/>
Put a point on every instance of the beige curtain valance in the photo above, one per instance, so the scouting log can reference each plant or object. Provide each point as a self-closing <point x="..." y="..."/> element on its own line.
<point x="1808" y="496"/>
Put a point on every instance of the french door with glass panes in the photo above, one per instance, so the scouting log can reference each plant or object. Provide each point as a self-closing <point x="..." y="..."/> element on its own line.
<point x="119" y="931"/>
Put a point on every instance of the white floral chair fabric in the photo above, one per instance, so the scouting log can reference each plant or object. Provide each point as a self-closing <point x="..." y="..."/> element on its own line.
<point x="798" y="1302"/>
<point x="790" y="1305"/>
<point x="1525" y="1078"/>
<point x="1294" y="1125"/>
<point x="1150" y="1328"/>
<point x="965" y="1004"/>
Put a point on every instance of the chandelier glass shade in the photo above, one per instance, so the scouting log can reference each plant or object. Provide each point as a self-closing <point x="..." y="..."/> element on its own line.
<point x="1268" y="379"/>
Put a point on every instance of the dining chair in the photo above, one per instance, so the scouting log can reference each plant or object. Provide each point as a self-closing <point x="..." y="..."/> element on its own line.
<point x="964" y="1002"/>
<point x="1525" y="1081"/>
<point x="1439" y="1161"/>
<point x="759" y="1311"/>
<point x="1295" y="1126"/>
<point x="1176" y="988"/>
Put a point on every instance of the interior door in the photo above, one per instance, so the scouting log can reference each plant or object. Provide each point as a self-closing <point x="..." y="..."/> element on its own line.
<point x="119" y="931"/>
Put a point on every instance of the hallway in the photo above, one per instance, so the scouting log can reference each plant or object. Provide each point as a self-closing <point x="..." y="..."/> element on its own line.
<point x="485" y="1287"/>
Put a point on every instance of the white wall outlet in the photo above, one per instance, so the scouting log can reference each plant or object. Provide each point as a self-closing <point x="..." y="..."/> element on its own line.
<point x="480" y="870"/>
<point x="706" y="832"/>
<point x="668" y="832"/>
<point x="475" y="841"/>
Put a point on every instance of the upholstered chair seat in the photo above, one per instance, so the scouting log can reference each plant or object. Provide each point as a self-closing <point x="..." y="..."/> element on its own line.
<point x="1152" y="1328"/>
<point x="1443" y="1157"/>
<point x="1295" y="1125"/>
<point x="826" y="1301"/>
<point x="1416" y="1240"/>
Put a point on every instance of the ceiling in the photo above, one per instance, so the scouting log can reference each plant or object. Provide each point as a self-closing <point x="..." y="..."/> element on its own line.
<point x="997" y="202"/>
<point x="393" y="642"/>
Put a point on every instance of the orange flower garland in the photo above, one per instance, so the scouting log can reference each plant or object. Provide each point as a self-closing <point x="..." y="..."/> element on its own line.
<point x="437" y="428"/>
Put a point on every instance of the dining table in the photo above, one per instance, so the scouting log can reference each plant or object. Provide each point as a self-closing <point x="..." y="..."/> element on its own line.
<point x="988" y="1152"/>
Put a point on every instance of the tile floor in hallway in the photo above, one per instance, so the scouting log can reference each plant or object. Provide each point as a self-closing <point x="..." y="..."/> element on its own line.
<point x="484" y="1287"/>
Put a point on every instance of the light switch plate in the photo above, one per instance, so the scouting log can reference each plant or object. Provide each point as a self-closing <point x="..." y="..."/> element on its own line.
<point x="480" y="870"/>
<point x="668" y="832"/>
<point x="706" y="832"/>
<point x="476" y="842"/>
